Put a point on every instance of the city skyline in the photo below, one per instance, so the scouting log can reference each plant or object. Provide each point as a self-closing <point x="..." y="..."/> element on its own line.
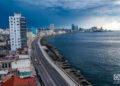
<point x="41" y="13"/>
<point x="59" y="42"/>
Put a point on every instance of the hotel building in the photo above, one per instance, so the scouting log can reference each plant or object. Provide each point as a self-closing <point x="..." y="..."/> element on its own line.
<point x="17" y="25"/>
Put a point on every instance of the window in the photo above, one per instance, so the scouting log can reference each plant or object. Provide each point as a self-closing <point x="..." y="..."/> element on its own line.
<point x="9" y="65"/>
<point x="5" y="65"/>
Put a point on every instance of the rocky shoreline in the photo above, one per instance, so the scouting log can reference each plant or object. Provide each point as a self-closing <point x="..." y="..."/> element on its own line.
<point x="60" y="61"/>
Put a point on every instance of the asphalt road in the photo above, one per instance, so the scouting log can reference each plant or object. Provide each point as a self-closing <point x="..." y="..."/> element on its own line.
<point x="47" y="73"/>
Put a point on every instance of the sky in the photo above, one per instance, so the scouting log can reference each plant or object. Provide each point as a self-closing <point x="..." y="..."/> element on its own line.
<point x="63" y="13"/>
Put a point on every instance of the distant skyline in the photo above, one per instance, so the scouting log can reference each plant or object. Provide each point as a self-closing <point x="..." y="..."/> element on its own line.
<point x="63" y="13"/>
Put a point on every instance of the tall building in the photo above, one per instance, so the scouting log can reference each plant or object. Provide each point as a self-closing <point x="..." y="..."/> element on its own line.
<point x="52" y="27"/>
<point x="74" y="27"/>
<point x="17" y="25"/>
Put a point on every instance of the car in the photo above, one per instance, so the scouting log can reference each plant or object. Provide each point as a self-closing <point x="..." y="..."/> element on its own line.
<point x="35" y="59"/>
<point x="39" y="62"/>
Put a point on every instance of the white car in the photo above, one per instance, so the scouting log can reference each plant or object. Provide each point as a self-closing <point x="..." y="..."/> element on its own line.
<point x="35" y="59"/>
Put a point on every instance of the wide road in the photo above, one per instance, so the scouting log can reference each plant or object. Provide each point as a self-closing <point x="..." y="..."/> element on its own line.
<point x="47" y="73"/>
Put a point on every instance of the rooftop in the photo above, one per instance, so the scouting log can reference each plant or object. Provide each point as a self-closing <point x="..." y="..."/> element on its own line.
<point x="17" y="14"/>
<point x="17" y="81"/>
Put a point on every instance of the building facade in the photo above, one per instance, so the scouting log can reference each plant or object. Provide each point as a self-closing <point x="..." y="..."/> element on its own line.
<point x="74" y="27"/>
<point x="17" y="25"/>
<point x="52" y="27"/>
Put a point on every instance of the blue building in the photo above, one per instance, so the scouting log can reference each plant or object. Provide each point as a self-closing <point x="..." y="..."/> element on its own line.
<point x="33" y="30"/>
<point x="74" y="27"/>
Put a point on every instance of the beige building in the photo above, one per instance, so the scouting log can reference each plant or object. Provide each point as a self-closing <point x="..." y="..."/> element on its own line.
<point x="52" y="27"/>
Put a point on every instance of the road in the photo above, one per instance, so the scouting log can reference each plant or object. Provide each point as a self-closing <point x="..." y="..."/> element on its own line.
<point x="47" y="73"/>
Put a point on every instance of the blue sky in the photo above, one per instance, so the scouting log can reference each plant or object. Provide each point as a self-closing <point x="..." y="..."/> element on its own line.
<point x="85" y="13"/>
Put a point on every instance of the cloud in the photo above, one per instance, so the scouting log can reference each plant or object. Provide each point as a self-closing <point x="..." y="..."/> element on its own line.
<point x="67" y="4"/>
<point x="100" y="7"/>
<point x="115" y="25"/>
<point x="116" y="2"/>
<point x="107" y="22"/>
<point x="99" y="13"/>
<point x="107" y="10"/>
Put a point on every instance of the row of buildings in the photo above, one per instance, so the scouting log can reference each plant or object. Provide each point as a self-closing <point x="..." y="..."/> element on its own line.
<point x="4" y="42"/>
<point x="75" y="28"/>
<point x="18" y="65"/>
<point x="18" y="31"/>
<point x="15" y="65"/>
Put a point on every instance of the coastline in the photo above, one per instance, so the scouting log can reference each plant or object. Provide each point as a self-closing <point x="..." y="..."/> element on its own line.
<point x="60" y="71"/>
<point x="63" y="64"/>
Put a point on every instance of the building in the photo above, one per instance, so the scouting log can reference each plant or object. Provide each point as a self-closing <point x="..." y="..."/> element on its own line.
<point x="33" y="30"/>
<point x="74" y="27"/>
<point x="17" y="25"/>
<point x="4" y="31"/>
<point x="52" y="27"/>
<point x="15" y="65"/>
<point x="24" y="69"/>
<point x="96" y="29"/>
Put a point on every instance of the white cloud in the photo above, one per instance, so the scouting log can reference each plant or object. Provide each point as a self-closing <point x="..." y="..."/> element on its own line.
<point x="115" y="25"/>
<point x="107" y="22"/>
<point x="116" y="2"/>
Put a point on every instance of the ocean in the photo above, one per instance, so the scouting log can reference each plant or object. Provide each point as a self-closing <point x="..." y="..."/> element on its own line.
<point x="96" y="55"/>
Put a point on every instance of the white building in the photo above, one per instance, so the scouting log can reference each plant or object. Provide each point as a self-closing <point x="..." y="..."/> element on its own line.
<point x="23" y="66"/>
<point x="17" y="25"/>
<point x="4" y="31"/>
<point x="52" y="27"/>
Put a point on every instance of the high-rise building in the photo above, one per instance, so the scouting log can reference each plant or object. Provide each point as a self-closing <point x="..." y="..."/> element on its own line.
<point x="52" y="27"/>
<point x="74" y="27"/>
<point x="17" y="25"/>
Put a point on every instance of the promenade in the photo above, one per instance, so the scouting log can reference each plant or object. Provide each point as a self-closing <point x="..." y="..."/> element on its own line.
<point x="50" y="74"/>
